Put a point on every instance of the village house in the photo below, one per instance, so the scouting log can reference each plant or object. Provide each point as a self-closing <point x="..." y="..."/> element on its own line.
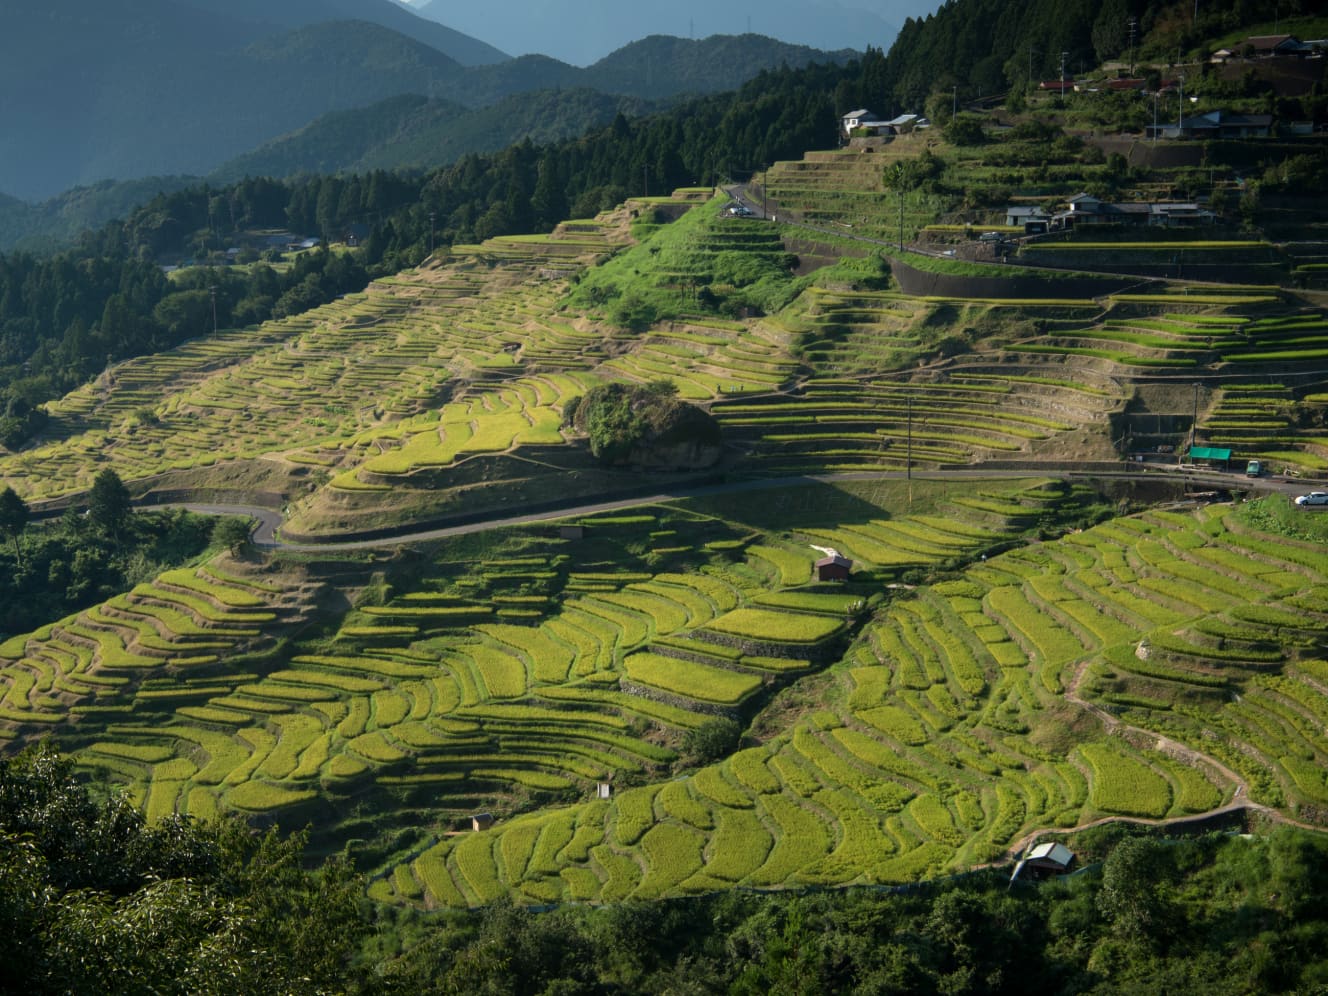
<point x="1086" y="209"/>
<point x="863" y="123"/>
<point x="1271" y="46"/>
<point x="1215" y="124"/>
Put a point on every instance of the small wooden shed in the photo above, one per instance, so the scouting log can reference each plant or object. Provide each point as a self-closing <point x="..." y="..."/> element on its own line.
<point x="1044" y="860"/>
<point x="481" y="821"/>
<point x="833" y="568"/>
<point x="603" y="790"/>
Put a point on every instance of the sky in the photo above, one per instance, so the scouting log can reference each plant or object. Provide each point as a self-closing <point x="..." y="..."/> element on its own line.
<point x="582" y="31"/>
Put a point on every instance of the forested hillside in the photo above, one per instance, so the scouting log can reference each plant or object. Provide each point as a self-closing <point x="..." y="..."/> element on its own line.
<point x="57" y="327"/>
<point x="991" y="46"/>
<point x="418" y="133"/>
<point x="239" y="79"/>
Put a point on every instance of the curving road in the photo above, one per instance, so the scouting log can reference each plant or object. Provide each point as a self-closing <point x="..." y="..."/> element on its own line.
<point x="266" y="532"/>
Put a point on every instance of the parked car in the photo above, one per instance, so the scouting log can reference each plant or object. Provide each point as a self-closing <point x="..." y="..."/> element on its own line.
<point x="989" y="237"/>
<point x="1254" y="468"/>
<point x="739" y="211"/>
<point x="1313" y="498"/>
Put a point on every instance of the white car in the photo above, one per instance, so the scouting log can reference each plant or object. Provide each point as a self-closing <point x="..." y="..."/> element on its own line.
<point x="1313" y="498"/>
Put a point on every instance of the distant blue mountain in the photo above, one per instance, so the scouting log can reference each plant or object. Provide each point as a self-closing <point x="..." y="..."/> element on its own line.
<point x="399" y="17"/>
<point x="129" y="88"/>
<point x="583" y="31"/>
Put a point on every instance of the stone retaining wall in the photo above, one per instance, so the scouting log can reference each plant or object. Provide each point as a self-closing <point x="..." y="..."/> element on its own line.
<point x="923" y="283"/>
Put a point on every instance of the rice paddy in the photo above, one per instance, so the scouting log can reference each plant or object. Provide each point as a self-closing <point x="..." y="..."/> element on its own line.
<point x="959" y="691"/>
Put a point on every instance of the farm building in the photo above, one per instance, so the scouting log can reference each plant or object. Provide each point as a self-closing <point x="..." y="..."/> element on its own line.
<point x="1268" y="46"/>
<point x="1086" y="209"/>
<point x="907" y="122"/>
<point x="1211" y="456"/>
<point x="1044" y="860"/>
<point x="863" y="121"/>
<point x="1025" y="216"/>
<point x="481" y="821"/>
<point x="1215" y="124"/>
<point x="833" y="568"/>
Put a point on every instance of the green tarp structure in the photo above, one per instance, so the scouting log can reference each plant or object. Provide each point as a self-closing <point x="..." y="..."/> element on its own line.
<point x="1210" y="453"/>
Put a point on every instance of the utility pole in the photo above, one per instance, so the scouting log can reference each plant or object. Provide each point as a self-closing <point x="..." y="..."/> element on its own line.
<point x="1194" y="425"/>
<point x="901" y="218"/>
<point x="908" y="464"/>
<point x="1180" y="109"/>
<point x="212" y="292"/>
<point x="1133" y="24"/>
<point x="1064" y="56"/>
<point x="1154" y="117"/>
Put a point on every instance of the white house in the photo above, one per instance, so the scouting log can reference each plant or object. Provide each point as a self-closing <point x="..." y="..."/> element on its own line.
<point x="863" y="120"/>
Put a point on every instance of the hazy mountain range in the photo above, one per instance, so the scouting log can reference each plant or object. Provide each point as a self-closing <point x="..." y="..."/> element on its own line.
<point x="583" y="31"/>
<point x="122" y="89"/>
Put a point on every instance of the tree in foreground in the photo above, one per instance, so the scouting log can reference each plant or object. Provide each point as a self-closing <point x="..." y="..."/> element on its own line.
<point x="93" y="899"/>
<point x="13" y="518"/>
<point x="109" y="505"/>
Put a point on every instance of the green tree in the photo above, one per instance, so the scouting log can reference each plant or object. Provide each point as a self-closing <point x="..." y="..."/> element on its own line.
<point x="232" y="533"/>
<point x="93" y="899"/>
<point x="713" y="740"/>
<point x="109" y="505"/>
<point x="1130" y="895"/>
<point x="964" y="129"/>
<point x="13" y="518"/>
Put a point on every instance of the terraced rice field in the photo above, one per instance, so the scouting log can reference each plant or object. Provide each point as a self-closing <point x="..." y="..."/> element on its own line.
<point x="1149" y="666"/>
<point x="336" y="381"/>
<point x="950" y="743"/>
<point x="842" y="424"/>
<point x="845" y="191"/>
<point x="431" y="699"/>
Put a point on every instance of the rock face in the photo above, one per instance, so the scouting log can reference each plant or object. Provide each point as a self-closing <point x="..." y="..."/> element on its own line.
<point x="675" y="456"/>
<point x="679" y="437"/>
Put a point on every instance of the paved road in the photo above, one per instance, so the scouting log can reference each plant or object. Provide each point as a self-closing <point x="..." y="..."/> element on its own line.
<point x="268" y="521"/>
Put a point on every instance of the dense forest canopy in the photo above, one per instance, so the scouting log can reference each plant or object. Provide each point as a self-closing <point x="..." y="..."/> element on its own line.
<point x="989" y="47"/>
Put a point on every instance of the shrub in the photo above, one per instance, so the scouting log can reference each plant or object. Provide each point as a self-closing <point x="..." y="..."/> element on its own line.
<point x="620" y="419"/>
<point x="712" y="741"/>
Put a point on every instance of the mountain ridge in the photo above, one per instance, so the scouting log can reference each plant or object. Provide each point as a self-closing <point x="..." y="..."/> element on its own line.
<point x="240" y="92"/>
<point x="582" y="32"/>
<point x="125" y="89"/>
